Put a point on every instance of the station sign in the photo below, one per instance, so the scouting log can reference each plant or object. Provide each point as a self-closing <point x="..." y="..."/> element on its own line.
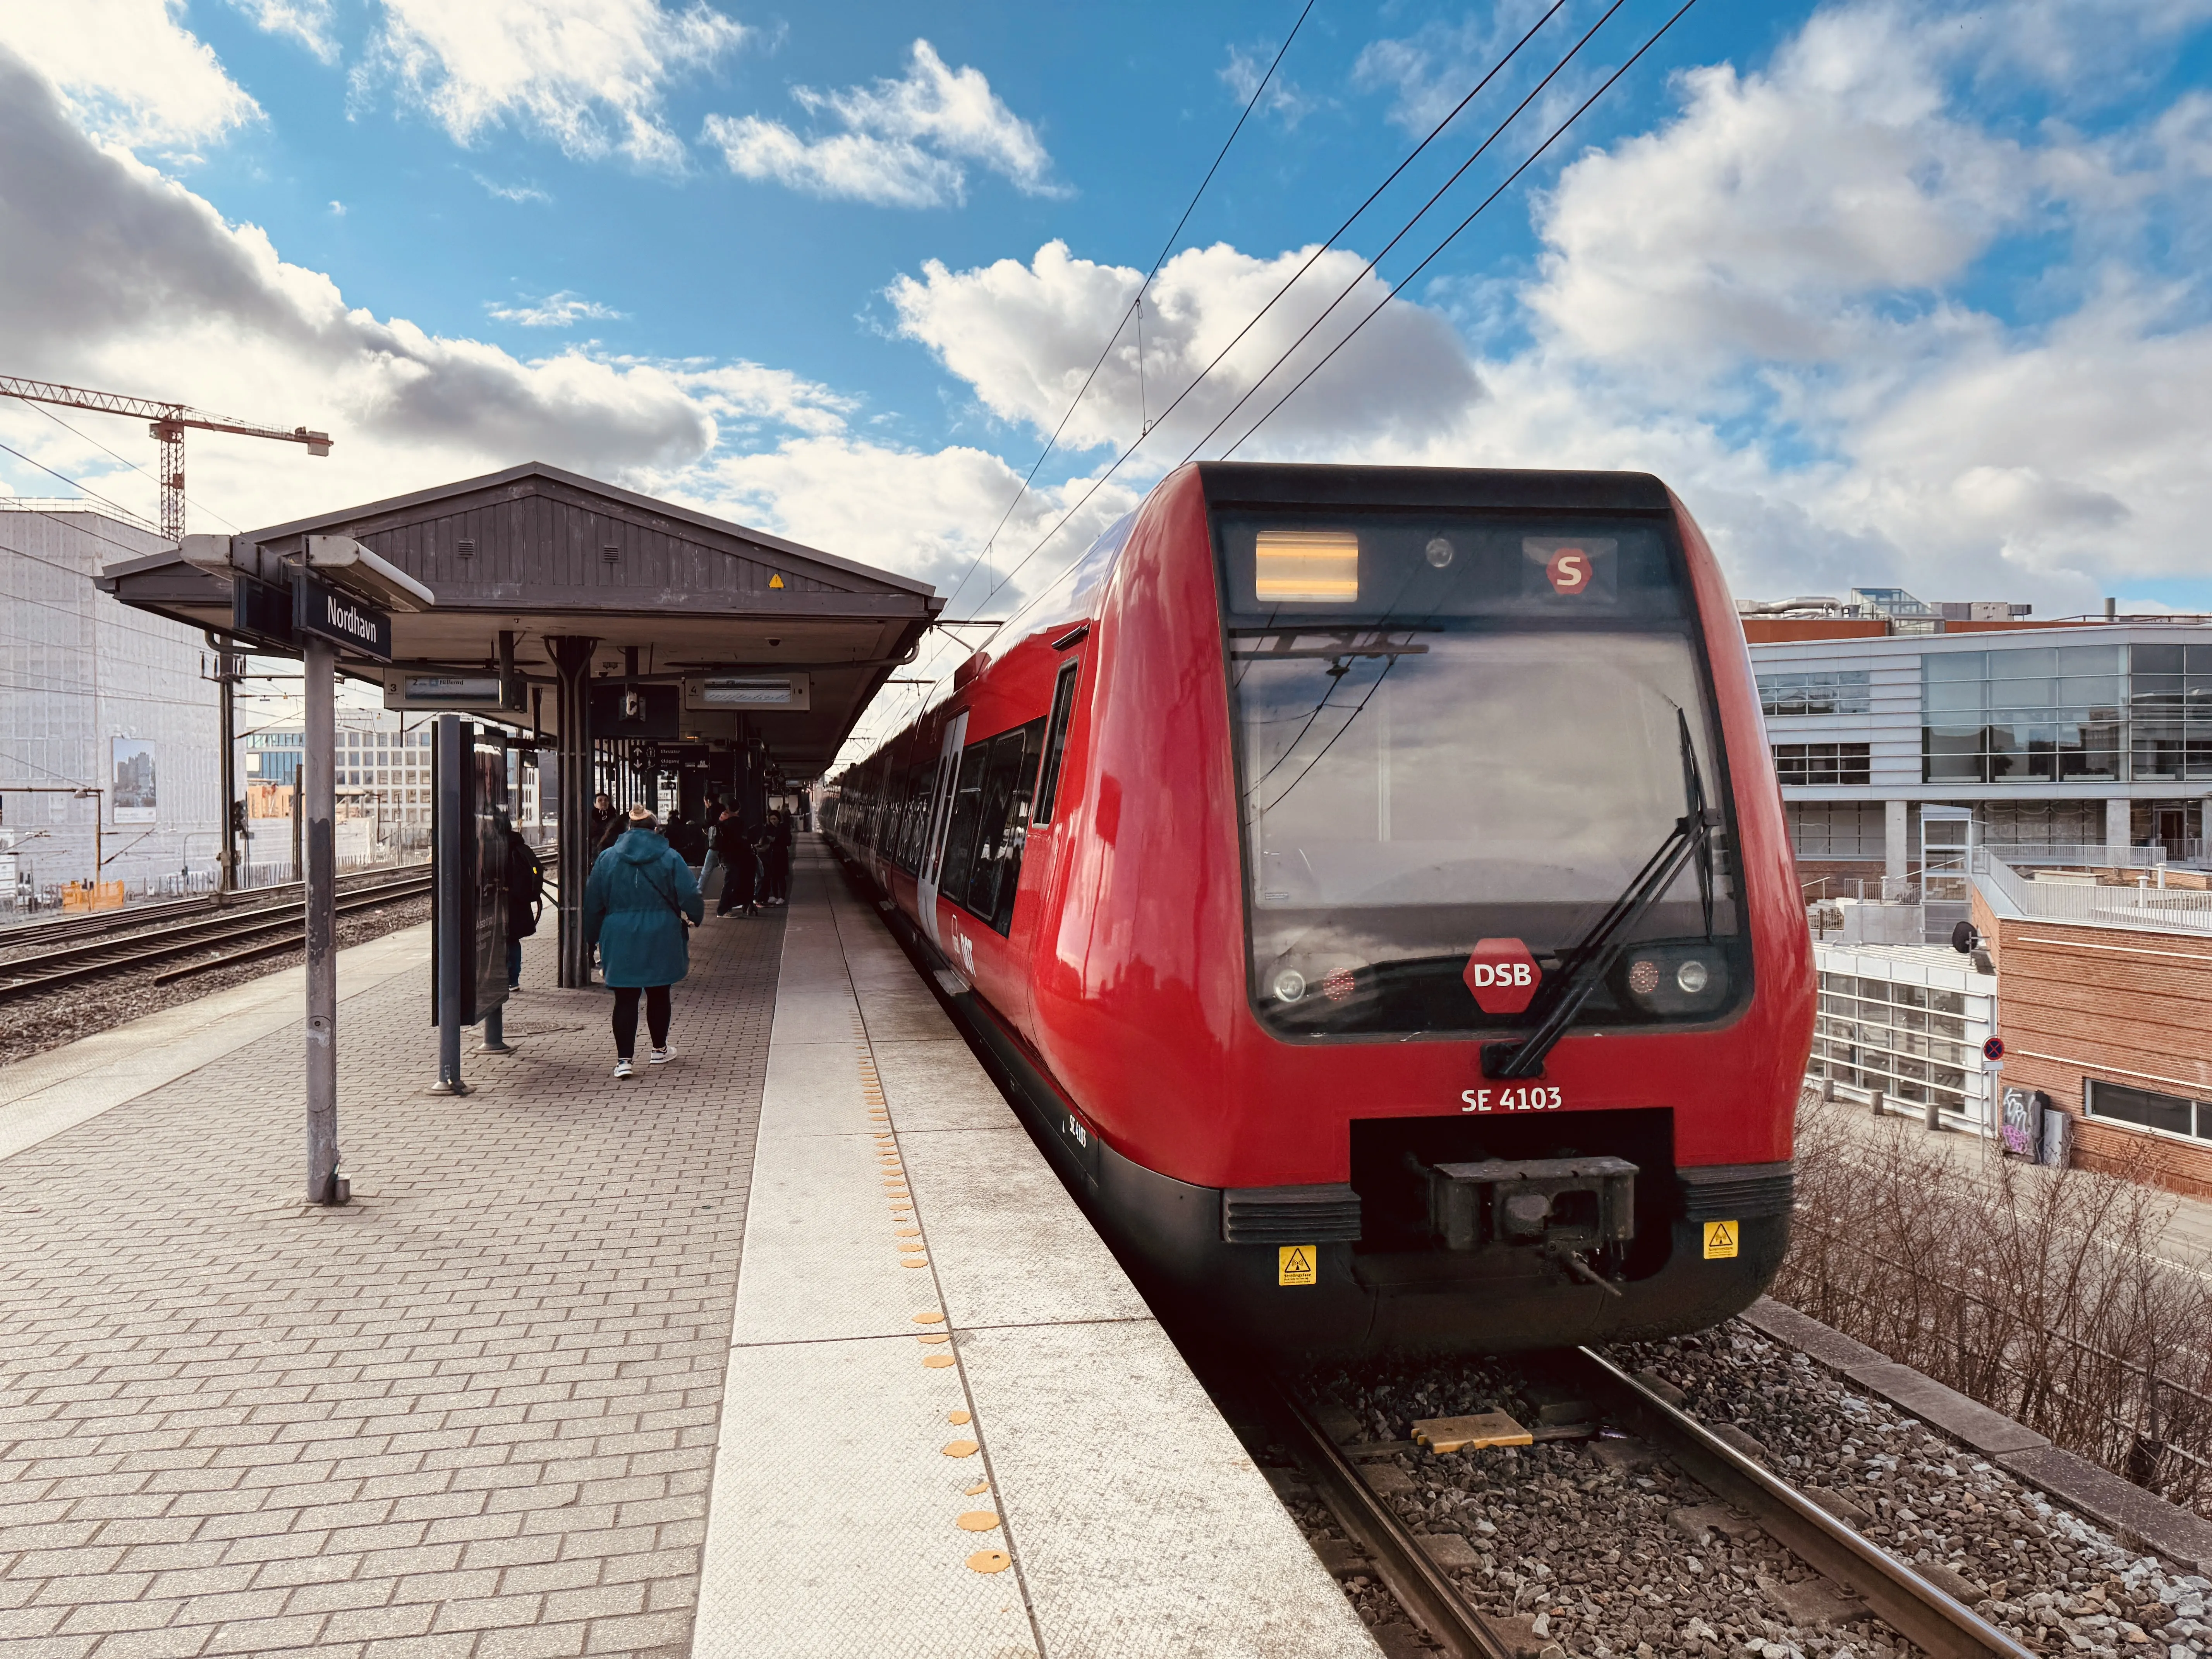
<point x="450" y="691"/>
<point x="714" y="691"/>
<point x="329" y="613"/>
<point x="261" y="611"/>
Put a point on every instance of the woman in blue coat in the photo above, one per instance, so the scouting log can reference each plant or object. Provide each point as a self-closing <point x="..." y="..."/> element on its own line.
<point x="637" y="904"/>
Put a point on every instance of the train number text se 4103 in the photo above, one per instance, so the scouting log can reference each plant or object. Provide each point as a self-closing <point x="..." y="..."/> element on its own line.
<point x="1528" y="1097"/>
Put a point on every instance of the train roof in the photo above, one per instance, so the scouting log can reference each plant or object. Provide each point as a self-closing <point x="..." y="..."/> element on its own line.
<point x="1272" y="483"/>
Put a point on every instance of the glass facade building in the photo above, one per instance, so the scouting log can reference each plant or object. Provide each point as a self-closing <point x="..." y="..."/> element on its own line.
<point x="1837" y="691"/>
<point x="2087" y="714"/>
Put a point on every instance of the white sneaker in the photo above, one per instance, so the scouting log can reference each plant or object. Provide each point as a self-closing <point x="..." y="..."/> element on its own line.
<point x="622" y="1068"/>
<point x="661" y="1056"/>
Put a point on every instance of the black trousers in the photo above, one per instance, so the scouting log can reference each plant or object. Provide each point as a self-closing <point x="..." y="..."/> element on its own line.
<point x="656" y="1017"/>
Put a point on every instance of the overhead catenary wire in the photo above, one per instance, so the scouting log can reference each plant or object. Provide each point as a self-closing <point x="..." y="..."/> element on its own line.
<point x="1149" y="425"/>
<point x="88" y="438"/>
<point x="1100" y="481"/>
<point x="1557" y="132"/>
<point x="1105" y="351"/>
<point x="1512" y="178"/>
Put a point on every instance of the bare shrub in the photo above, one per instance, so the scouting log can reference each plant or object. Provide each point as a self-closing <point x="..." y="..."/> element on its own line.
<point x="2040" y="1292"/>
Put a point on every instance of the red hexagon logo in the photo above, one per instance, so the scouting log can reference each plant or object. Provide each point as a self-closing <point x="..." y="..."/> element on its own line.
<point x="1503" y="975"/>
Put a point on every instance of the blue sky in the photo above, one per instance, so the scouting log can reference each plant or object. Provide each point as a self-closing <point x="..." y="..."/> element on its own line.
<point x="1892" y="291"/>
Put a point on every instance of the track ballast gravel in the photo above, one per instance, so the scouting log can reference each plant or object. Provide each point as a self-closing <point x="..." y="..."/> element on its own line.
<point x="33" y="1023"/>
<point x="1591" y="1547"/>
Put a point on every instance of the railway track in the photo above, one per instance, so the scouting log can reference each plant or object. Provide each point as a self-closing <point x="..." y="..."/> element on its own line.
<point x="1915" y="1609"/>
<point x="193" y="943"/>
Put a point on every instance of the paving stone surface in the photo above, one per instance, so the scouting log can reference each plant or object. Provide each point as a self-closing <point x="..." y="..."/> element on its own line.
<point x="475" y="1414"/>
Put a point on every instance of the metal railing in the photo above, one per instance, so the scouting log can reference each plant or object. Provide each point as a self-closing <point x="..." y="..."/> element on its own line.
<point x="2089" y="855"/>
<point x="2141" y="904"/>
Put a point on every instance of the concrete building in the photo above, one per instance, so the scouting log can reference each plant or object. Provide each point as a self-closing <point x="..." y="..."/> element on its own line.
<point x="97" y="697"/>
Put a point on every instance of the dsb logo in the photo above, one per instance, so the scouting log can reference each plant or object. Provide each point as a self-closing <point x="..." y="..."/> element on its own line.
<point x="1503" y="975"/>
<point x="1484" y="974"/>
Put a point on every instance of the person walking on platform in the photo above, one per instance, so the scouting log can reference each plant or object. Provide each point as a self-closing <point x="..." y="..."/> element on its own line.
<point x="638" y="906"/>
<point x="603" y="819"/>
<point x="525" y="893"/>
<point x="740" y="867"/>
<point x="710" y="820"/>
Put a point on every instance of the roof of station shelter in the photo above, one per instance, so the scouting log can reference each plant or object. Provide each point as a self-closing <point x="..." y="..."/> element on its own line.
<point x="539" y="552"/>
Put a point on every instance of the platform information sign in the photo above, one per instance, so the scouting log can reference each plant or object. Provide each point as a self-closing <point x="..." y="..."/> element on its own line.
<point x="330" y="614"/>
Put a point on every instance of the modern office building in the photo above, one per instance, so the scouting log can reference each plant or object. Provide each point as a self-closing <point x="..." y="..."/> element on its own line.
<point x="1894" y="735"/>
<point x="109" y="745"/>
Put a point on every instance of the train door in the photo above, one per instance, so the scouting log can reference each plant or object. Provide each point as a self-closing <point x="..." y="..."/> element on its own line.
<point x="1052" y="838"/>
<point x="940" y="814"/>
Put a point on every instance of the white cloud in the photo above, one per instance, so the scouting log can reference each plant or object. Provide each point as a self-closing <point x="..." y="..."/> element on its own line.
<point x="1771" y="215"/>
<point x="1285" y="100"/>
<point x="1430" y="70"/>
<point x="1025" y="335"/>
<point x="562" y="310"/>
<point x="511" y="192"/>
<point x="589" y="74"/>
<point x="310" y="22"/>
<point x="906" y="142"/>
<point x="130" y="70"/>
<point x="120" y="277"/>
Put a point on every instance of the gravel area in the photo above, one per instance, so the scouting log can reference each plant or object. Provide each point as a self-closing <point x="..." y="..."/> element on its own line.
<point x="1595" y="1547"/>
<point x="34" y="1024"/>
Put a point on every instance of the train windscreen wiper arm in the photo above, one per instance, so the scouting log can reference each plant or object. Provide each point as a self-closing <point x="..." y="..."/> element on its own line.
<point x="1585" y="967"/>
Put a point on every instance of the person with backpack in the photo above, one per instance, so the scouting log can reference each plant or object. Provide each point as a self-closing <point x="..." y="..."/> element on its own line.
<point x="525" y="895"/>
<point x="639" y="904"/>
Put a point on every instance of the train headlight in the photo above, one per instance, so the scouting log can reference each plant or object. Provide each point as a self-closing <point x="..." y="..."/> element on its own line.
<point x="1290" y="985"/>
<point x="1676" y="980"/>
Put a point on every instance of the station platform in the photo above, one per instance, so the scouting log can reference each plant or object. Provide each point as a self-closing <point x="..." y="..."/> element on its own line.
<point x="593" y="1366"/>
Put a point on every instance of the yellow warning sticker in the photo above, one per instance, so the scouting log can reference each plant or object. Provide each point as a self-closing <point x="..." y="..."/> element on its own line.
<point x="1294" y="1264"/>
<point x="776" y="579"/>
<point x="1720" y="1240"/>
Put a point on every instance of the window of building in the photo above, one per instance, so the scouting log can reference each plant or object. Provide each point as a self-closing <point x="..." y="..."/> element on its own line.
<point x="1836" y="829"/>
<point x="2060" y="713"/>
<point x="2146" y="1108"/>
<point x="1821" y="763"/>
<point x="1841" y="691"/>
<point x="1908" y="1040"/>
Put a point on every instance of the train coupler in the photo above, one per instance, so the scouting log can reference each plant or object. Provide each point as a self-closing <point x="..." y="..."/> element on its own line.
<point x="1564" y="1205"/>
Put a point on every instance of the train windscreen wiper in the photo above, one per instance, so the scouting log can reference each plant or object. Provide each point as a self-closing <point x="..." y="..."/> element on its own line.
<point x="1584" y="968"/>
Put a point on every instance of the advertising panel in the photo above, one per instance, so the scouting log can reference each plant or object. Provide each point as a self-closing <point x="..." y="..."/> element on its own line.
<point x="468" y="832"/>
<point x="131" y="786"/>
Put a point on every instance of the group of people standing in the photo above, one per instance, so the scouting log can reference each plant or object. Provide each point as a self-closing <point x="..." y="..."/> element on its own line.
<point x="642" y="898"/>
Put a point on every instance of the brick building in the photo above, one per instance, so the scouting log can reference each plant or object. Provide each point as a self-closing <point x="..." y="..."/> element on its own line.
<point x="2104" y="1005"/>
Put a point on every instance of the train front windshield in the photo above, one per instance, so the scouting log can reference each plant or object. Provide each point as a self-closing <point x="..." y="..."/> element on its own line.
<point x="1458" y="729"/>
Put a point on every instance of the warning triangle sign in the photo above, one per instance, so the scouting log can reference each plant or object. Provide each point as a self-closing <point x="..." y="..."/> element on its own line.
<point x="1720" y="1240"/>
<point x="774" y="580"/>
<point x="1294" y="1264"/>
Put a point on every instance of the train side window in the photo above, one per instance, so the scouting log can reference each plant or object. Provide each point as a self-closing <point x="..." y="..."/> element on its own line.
<point x="1004" y="824"/>
<point x="1056" y="741"/>
<point x="964" y="820"/>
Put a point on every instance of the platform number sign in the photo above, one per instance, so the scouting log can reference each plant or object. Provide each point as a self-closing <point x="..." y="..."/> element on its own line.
<point x="1294" y="1264"/>
<point x="1720" y="1241"/>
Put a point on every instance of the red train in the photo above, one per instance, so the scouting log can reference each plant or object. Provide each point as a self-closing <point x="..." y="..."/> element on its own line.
<point x="1373" y="884"/>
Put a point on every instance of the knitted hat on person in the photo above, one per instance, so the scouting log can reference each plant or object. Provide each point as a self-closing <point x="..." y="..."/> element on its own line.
<point x="640" y="817"/>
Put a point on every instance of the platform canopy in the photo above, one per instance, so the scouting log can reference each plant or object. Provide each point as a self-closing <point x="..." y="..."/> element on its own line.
<point x="719" y="613"/>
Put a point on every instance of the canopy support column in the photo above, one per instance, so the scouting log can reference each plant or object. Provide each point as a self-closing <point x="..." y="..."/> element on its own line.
<point x="571" y="662"/>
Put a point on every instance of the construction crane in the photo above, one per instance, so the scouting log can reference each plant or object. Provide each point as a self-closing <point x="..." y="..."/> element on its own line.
<point x="167" y="423"/>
